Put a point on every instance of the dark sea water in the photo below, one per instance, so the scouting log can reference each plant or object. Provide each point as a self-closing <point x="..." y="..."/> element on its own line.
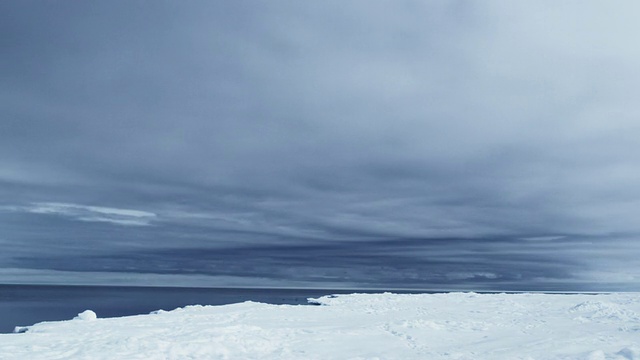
<point x="22" y="305"/>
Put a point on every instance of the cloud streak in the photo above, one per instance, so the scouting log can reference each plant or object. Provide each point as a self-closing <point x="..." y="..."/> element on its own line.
<point x="93" y="213"/>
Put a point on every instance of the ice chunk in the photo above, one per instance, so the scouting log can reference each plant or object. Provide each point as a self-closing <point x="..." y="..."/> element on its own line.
<point x="86" y="315"/>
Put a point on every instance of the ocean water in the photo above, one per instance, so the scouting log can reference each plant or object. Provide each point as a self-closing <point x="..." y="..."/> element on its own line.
<point x="22" y="305"/>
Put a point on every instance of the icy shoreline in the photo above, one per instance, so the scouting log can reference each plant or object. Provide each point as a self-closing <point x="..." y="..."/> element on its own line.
<point x="357" y="326"/>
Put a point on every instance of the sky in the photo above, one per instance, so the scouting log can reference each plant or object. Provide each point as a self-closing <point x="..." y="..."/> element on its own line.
<point x="475" y="145"/>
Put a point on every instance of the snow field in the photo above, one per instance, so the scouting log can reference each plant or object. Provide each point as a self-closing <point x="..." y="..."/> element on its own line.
<point x="357" y="326"/>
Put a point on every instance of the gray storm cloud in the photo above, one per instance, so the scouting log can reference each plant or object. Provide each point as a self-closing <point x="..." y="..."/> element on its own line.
<point x="242" y="124"/>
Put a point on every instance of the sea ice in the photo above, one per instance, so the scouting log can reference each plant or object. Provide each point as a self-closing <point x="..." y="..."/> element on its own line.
<point x="356" y="326"/>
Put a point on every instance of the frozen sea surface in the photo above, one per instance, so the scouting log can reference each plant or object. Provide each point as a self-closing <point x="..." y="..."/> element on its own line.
<point x="356" y="326"/>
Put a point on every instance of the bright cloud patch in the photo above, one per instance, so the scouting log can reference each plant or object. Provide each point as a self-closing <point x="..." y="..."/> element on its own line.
<point x="94" y="213"/>
<point x="544" y="238"/>
<point x="470" y="275"/>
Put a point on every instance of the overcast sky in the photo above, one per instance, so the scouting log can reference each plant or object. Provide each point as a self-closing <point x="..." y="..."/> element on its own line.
<point x="360" y="144"/>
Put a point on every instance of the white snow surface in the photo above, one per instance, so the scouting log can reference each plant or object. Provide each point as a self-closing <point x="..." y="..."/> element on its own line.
<point x="357" y="326"/>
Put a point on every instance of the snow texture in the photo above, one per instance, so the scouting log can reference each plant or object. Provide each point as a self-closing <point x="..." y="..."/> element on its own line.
<point x="357" y="326"/>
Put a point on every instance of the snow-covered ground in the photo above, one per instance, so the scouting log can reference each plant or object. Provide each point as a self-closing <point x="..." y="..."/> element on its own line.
<point x="358" y="326"/>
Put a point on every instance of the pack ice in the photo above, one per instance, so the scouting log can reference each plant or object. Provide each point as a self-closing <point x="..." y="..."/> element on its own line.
<point x="357" y="326"/>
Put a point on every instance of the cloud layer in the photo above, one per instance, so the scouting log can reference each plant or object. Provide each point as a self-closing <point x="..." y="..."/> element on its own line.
<point x="271" y="129"/>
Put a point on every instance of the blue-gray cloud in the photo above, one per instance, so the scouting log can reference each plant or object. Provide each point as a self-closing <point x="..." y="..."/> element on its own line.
<point x="282" y="126"/>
